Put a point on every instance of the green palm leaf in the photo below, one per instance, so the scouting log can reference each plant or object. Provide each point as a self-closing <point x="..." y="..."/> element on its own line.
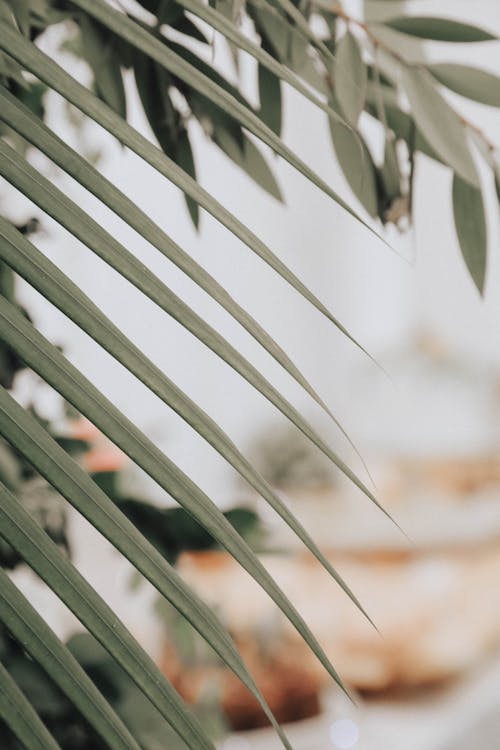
<point x="44" y="557"/>
<point x="50" y="364"/>
<point x="21" y="718"/>
<point x="66" y="212"/>
<point x="19" y="117"/>
<point x="43" y="275"/>
<point x="31" y="440"/>
<point x="28" y="628"/>
<point x="54" y="76"/>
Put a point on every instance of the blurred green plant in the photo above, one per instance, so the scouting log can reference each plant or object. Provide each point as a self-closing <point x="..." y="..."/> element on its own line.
<point x="351" y="72"/>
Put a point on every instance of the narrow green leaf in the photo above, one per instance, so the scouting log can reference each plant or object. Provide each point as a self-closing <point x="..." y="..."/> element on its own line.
<point x="268" y="63"/>
<point x="21" y="718"/>
<point x="390" y="172"/>
<point x="55" y="77"/>
<point x="357" y="166"/>
<point x="97" y="47"/>
<point x="297" y="17"/>
<point x="185" y="160"/>
<point x="45" y="558"/>
<point x="439" y="124"/>
<point x="270" y="98"/>
<point x="40" y="136"/>
<point x="37" y="270"/>
<point x="28" y="436"/>
<point x="350" y="77"/>
<point x="439" y="29"/>
<point x="61" y="208"/>
<point x="470" y="223"/>
<point x="473" y="83"/>
<point x="50" y="364"/>
<point x="32" y="632"/>
<point x="153" y="84"/>
<point x="21" y="10"/>
<point x="250" y="159"/>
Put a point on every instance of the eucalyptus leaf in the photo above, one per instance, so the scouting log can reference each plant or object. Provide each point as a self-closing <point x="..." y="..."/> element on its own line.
<point x="97" y="47"/>
<point x="439" y="124"/>
<point x="350" y="78"/>
<point x="357" y="165"/>
<point x="470" y="224"/>
<point x="473" y="83"/>
<point x="270" y="99"/>
<point x="439" y="29"/>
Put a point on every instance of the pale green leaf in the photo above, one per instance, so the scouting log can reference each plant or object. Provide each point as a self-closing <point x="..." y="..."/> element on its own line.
<point x="473" y="83"/>
<point x="33" y="633"/>
<point x="439" y="124"/>
<point x="439" y="29"/>
<point x="357" y="166"/>
<point x="350" y="78"/>
<point x="250" y="159"/>
<point x="470" y="223"/>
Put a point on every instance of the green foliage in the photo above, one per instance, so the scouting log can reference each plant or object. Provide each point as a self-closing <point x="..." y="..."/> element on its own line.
<point x="102" y="687"/>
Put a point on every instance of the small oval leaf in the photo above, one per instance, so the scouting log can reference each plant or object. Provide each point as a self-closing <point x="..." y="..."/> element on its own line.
<point x="473" y="83"/>
<point x="350" y="77"/>
<point x="357" y="166"/>
<point x="439" y="29"/>
<point x="470" y="223"/>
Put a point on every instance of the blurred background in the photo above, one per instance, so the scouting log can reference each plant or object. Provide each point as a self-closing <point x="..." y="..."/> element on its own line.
<point x="426" y="422"/>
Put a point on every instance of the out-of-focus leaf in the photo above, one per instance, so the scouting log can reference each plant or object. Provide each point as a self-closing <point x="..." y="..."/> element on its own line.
<point x="270" y="99"/>
<point x="439" y="124"/>
<point x="473" y="83"/>
<point x="287" y="43"/>
<point x="21" y="10"/>
<point x="439" y="29"/>
<point x="153" y="84"/>
<point x="357" y="165"/>
<point x="390" y="173"/>
<point x="470" y="223"/>
<point x="350" y="78"/>
<point x="250" y="159"/>
<point x="98" y="49"/>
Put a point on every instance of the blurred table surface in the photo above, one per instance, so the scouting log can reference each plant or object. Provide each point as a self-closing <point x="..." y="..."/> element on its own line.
<point x="464" y="715"/>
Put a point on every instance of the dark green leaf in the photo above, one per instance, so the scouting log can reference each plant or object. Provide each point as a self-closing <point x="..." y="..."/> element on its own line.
<point x="29" y="629"/>
<point x="470" y="223"/>
<point x="473" y="83"/>
<point x="46" y="560"/>
<point x="270" y="99"/>
<point x="439" y="29"/>
<point x="98" y="49"/>
<point x="21" y="718"/>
